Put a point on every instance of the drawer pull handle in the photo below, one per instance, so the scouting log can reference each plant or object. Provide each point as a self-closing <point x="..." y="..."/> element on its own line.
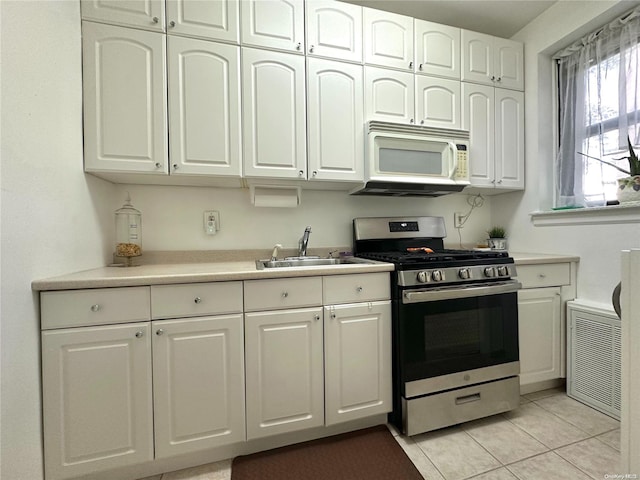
<point x="359" y="289"/>
<point x="542" y="275"/>
<point x="159" y="331"/>
<point x="197" y="300"/>
<point x="95" y="308"/>
<point x="139" y="334"/>
<point x="468" y="399"/>
<point x="285" y="294"/>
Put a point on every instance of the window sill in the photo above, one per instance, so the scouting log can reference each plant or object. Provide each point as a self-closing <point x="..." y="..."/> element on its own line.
<point x="625" y="213"/>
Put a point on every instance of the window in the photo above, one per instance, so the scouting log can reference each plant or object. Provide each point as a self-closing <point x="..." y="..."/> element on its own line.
<point x="599" y="108"/>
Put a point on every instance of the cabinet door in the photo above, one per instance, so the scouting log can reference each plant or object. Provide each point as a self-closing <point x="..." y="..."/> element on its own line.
<point x="275" y="24"/>
<point x="335" y="117"/>
<point x="283" y="351"/>
<point x="357" y="352"/>
<point x="388" y="95"/>
<point x="437" y="49"/>
<point x="198" y="383"/>
<point x="508" y="63"/>
<point x="478" y="116"/>
<point x="204" y="107"/>
<point x="388" y="39"/>
<point x="477" y="57"/>
<point x="438" y="102"/>
<point x="274" y="116"/>
<point x="125" y="101"/>
<point x="212" y="20"/>
<point x="334" y="30"/>
<point x="145" y="14"/>
<point x="96" y="389"/>
<point x="540" y="334"/>
<point x="509" y="150"/>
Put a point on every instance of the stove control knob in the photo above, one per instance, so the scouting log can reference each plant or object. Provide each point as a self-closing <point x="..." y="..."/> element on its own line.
<point x="463" y="273"/>
<point x="489" y="272"/>
<point x="424" y="277"/>
<point x="436" y="275"/>
<point x="502" y="271"/>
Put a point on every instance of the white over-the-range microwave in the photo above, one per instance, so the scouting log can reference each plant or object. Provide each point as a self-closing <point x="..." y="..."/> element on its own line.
<point x="408" y="160"/>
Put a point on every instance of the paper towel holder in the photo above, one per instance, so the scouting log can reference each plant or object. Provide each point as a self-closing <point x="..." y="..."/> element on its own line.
<point x="277" y="196"/>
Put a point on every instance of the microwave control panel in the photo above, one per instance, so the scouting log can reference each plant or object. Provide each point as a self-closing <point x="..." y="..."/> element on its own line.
<point x="462" y="170"/>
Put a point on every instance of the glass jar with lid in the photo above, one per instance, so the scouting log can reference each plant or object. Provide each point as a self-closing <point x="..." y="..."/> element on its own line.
<point x="128" y="232"/>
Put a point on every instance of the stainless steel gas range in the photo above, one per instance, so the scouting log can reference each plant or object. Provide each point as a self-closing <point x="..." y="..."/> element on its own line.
<point x="455" y="323"/>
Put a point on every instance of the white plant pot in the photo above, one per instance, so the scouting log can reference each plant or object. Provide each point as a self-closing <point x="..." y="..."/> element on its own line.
<point x="628" y="189"/>
<point x="497" y="243"/>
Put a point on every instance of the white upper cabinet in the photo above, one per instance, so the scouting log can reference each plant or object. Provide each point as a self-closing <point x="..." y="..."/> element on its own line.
<point x="509" y="151"/>
<point x="479" y="118"/>
<point x="146" y="14"/>
<point x="334" y="30"/>
<point x="274" y="114"/>
<point x="438" y="102"/>
<point x="335" y="120"/>
<point x="437" y="49"/>
<point x="492" y="60"/>
<point x="388" y="95"/>
<point x="211" y="19"/>
<point x="125" y="101"/>
<point x="204" y="107"/>
<point x="388" y="39"/>
<point x="277" y="24"/>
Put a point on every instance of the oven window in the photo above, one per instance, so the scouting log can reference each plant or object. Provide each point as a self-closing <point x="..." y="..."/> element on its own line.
<point x="448" y="336"/>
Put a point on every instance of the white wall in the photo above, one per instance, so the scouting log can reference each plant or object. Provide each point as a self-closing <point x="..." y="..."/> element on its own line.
<point x="172" y="217"/>
<point x="54" y="219"/>
<point x="598" y="246"/>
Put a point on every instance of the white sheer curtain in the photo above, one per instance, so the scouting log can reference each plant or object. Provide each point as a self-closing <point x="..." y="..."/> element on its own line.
<point x="599" y="103"/>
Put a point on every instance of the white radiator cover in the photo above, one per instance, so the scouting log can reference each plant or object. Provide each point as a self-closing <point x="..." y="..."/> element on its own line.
<point x="593" y="356"/>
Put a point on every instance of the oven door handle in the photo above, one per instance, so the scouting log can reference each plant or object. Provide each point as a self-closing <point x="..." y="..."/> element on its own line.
<point x="417" y="296"/>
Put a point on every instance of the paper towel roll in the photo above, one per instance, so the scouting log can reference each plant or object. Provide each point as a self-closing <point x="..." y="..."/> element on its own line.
<point x="275" y="196"/>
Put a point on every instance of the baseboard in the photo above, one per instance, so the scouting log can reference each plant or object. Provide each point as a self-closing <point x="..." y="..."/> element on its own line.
<point x="544" y="385"/>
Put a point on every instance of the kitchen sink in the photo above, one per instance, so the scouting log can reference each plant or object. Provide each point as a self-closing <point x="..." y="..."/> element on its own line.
<point x="299" y="262"/>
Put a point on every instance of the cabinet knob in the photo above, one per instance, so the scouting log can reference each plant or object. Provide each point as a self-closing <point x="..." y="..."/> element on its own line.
<point x="301" y="173"/>
<point x="159" y="332"/>
<point x="316" y="317"/>
<point x="410" y="64"/>
<point x="420" y="67"/>
<point x="311" y="49"/>
<point x="95" y="308"/>
<point x="421" y="122"/>
<point x="158" y="165"/>
<point x="175" y="166"/>
<point x="499" y="79"/>
<point x="358" y="289"/>
<point x="542" y="275"/>
<point x="314" y="173"/>
<point x="493" y="77"/>
<point x="172" y="23"/>
<point x="411" y="121"/>
<point x="155" y="19"/>
<point x="285" y="294"/>
<point x="298" y="46"/>
<point x="493" y="181"/>
<point x="500" y="181"/>
<point x="139" y="334"/>
<point x="197" y="300"/>
<point x="333" y="314"/>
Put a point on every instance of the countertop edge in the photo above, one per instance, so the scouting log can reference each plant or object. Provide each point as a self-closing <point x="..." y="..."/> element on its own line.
<point x="109" y="277"/>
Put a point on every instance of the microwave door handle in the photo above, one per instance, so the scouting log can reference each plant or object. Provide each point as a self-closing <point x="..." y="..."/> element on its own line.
<point x="453" y="161"/>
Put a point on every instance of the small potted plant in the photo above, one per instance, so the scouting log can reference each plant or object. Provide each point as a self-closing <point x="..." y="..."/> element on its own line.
<point x="497" y="238"/>
<point x="628" y="187"/>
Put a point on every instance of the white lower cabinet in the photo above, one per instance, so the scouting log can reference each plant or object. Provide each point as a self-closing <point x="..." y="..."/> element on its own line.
<point x="540" y="331"/>
<point x="357" y="356"/>
<point x="96" y="389"/>
<point x="283" y="371"/>
<point x="198" y="383"/>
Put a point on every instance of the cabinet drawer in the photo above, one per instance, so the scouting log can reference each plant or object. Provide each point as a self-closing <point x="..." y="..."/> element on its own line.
<point x="195" y="299"/>
<point x="363" y="287"/>
<point x="99" y="306"/>
<point x="282" y="293"/>
<point x="546" y="275"/>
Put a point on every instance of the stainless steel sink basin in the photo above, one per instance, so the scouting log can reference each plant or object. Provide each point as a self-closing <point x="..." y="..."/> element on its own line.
<point x="299" y="262"/>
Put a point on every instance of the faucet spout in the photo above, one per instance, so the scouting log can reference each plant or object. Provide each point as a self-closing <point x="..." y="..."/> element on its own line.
<point x="304" y="242"/>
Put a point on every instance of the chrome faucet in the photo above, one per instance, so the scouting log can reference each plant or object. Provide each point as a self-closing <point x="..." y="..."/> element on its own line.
<point x="303" y="242"/>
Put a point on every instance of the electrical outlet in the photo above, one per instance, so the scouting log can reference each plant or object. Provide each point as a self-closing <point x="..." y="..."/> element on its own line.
<point x="458" y="218"/>
<point x="211" y="222"/>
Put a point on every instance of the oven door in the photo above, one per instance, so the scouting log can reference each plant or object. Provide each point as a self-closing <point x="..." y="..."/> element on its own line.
<point x="453" y="337"/>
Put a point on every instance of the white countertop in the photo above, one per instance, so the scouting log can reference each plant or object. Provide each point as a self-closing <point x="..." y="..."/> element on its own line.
<point x="192" y="273"/>
<point x="522" y="258"/>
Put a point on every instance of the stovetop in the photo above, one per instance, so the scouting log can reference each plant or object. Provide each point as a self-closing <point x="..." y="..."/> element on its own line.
<point x="422" y="256"/>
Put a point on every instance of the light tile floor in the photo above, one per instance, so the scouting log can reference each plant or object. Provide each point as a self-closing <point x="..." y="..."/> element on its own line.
<point x="549" y="436"/>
